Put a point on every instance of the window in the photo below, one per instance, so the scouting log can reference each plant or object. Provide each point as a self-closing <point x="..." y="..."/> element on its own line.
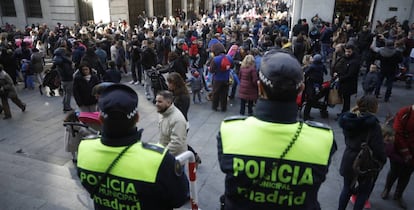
<point x="33" y="8"/>
<point x="7" y="8"/>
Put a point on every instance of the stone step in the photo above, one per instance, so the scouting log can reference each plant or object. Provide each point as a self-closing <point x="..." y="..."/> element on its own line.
<point x="33" y="184"/>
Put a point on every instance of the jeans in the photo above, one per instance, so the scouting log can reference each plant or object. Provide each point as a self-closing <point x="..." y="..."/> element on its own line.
<point x="346" y="106"/>
<point x="399" y="171"/>
<point x="363" y="191"/>
<point x="147" y="85"/>
<point x="136" y="68"/>
<point x="243" y="106"/>
<point x="325" y="50"/>
<point x="219" y="94"/>
<point x="388" y="84"/>
<point x="67" y="94"/>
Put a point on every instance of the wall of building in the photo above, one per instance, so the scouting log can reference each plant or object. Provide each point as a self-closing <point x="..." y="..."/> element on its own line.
<point x="118" y="9"/>
<point x="309" y="8"/>
<point x="382" y="10"/>
<point x="63" y="11"/>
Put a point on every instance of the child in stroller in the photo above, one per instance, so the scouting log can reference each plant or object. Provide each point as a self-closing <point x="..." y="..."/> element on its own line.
<point x="315" y="89"/>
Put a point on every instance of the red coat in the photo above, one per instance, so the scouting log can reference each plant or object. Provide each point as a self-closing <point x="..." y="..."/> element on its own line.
<point x="248" y="83"/>
<point x="404" y="133"/>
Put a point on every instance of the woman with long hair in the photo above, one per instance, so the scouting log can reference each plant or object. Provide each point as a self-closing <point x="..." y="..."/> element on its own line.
<point x="248" y="92"/>
<point x="360" y="125"/>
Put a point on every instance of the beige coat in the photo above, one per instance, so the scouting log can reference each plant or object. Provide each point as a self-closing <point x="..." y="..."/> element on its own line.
<point x="8" y="84"/>
<point x="173" y="130"/>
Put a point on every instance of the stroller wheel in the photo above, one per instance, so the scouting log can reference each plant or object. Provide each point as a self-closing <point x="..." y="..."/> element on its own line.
<point x="324" y="114"/>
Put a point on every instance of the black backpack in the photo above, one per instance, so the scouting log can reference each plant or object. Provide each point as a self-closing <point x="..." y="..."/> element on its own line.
<point x="365" y="164"/>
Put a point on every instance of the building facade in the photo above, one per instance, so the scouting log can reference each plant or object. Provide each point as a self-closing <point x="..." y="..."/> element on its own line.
<point x="26" y="12"/>
<point x="22" y="13"/>
<point x="356" y="11"/>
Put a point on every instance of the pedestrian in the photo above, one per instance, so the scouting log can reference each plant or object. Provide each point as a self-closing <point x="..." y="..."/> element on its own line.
<point x="220" y="67"/>
<point x="390" y="58"/>
<point x="248" y="85"/>
<point x="360" y="125"/>
<point x="63" y="64"/>
<point x="149" y="60"/>
<point x="83" y="84"/>
<point x="196" y="85"/>
<point x="402" y="163"/>
<point x="371" y="80"/>
<point x="257" y="152"/>
<point x="112" y="74"/>
<point x="313" y="84"/>
<point x="110" y="167"/>
<point x="172" y="124"/>
<point x="348" y="76"/>
<point x="7" y="90"/>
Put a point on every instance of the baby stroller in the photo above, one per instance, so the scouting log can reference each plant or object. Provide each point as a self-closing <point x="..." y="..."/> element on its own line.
<point x="52" y="80"/>
<point x="158" y="81"/>
<point x="318" y="96"/>
<point x="80" y="125"/>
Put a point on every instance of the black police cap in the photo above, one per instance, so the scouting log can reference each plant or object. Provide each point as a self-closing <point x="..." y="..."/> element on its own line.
<point x="118" y="101"/>
<point x="278" y="67"/>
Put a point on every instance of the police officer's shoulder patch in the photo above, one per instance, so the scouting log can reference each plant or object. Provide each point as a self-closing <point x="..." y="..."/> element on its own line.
<point x="236" y="117"/>
<point x="153" y="147"/>
<point x="318" y="125"/>
<point x="178" y="168"/>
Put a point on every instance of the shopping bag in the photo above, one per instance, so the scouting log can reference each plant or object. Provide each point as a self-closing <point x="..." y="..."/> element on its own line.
<point x="334" y="97"/>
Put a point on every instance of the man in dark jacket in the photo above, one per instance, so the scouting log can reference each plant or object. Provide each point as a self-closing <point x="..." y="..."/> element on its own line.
<point x="63" y="64"/>
<point x="149" y="60"/>
<point x="390" y="58"/>
<point x="348" y="76"/>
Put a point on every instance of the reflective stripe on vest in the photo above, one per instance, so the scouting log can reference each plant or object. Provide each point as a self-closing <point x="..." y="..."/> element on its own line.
<point x="252" y="137"/>
<point x="137" y="163"/>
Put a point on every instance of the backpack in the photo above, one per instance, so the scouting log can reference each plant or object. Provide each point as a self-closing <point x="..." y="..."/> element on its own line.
<point x="225" y="63"/>
<point x="365" y="164"/>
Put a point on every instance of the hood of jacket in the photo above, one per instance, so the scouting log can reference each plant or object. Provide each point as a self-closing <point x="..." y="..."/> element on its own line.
<point x="387" y="51"/>
<point x="59" y="51"/>
<point x="355" y="123"/>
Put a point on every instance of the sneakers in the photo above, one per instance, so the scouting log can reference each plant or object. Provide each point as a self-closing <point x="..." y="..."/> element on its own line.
<point x="24" y="108"/>
<point x="367" y="204"/>
<point x="136" y="83"/>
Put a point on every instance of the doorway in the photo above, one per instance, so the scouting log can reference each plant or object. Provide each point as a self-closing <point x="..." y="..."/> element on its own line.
<point x="355" y="12"/>
<point x="85" y="11"/>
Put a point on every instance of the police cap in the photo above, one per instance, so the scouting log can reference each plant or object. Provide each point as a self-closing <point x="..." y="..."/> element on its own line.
<point x="118" y="101"/>
<point x="279" y="68"/>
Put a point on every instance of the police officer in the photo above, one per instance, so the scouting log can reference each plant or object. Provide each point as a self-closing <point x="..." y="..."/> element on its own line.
<point x="271" y="160"/>
<point x="121" y="172"/>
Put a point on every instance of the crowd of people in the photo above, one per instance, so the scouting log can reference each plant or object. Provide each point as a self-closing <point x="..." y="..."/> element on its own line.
<point x="250" y="58"/>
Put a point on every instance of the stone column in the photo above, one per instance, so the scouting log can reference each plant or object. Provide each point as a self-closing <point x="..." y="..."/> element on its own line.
<point x="149" y="5"/>
<point x="296" y="13"/>
<point x="168" y="8"/>
<point x="184" y="7"/>
<point x="197" y="7"/>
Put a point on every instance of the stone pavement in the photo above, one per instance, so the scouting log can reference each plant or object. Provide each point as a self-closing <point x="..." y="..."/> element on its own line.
<point x="36" y="172"/>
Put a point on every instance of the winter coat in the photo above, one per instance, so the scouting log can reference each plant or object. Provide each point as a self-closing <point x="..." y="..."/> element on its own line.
<point x="356" y="129"/>
<point x="370" y="81"/>
<point x="82" y="90"/>
<point x="315" y="72"/>
<point x="36" y="61"/>
<point x="404" y="133"/>
<point x="348" y="75"/>
<point x="173" y="130"/>
<point x="248" y="83"/>
<point x="390" y="58"/>
<point x="63" y="65"/>
<point x="182" y="102"/>
<point x="7" y="83"/>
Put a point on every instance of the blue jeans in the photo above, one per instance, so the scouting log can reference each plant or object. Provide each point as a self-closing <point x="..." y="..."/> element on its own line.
<point x="325" y="50"/>
<point x="67" y="94"/>
<point x="363" y="191"/>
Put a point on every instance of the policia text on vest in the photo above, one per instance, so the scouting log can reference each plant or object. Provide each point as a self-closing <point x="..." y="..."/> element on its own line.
<point x="115" y="190"/>
<point x="280" y="180"/>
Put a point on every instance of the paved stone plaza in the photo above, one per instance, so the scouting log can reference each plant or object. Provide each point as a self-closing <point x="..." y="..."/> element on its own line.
<point x="36" y="172"/>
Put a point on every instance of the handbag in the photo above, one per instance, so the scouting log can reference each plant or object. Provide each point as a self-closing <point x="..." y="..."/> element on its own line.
<point x="334" y="97"/>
